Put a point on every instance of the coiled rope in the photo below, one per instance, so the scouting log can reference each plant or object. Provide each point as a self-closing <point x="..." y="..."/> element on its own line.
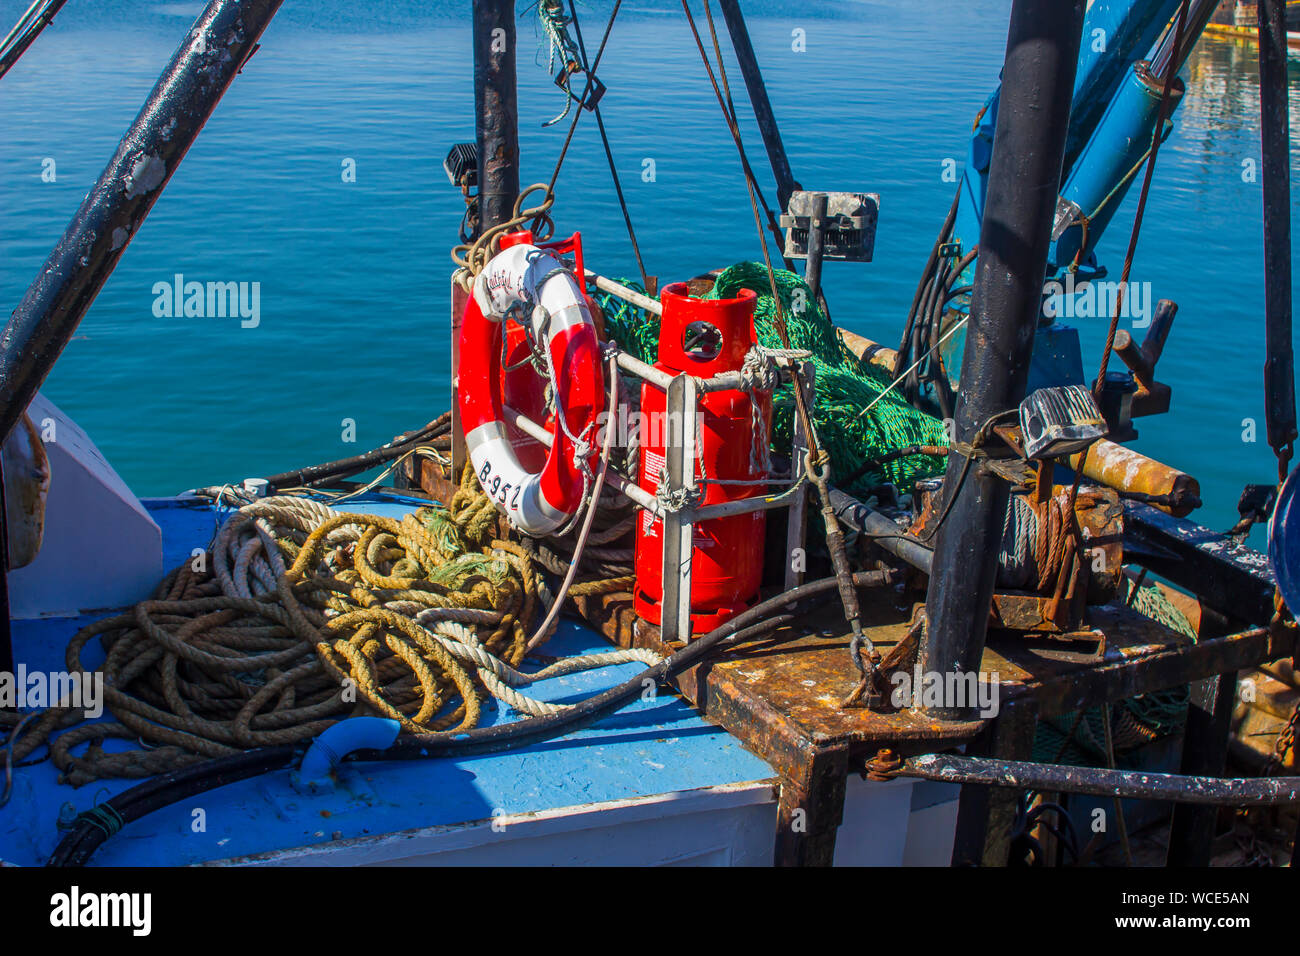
<point x="301" y="616"/>
<point x="471" y="258"/>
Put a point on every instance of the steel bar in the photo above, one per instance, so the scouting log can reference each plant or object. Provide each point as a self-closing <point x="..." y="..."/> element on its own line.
<point x="1234" y="581"/>
<point x="1024" y="179"/>
<point x="1275" y="140"/>
<point x="740" y="506"/>
<point x="796" y="525"/>
<point x="629" y="488"/>
<point x="677" y="527"/>
<point x="767" y="126"/>
<point x="812" y="272"/>
<point x="624" y="293"/>
<point x="496" y="112"/>
<point x="641" y="370"/>
<point x="1102" y="782"/>
<point x="986" y="817"/>
<point x="28" y="29"/>
<point x="202" y="68"/>
<point x="882" y="530"/>
<point x="722" y="382"/>
<point x="648" y="501"/>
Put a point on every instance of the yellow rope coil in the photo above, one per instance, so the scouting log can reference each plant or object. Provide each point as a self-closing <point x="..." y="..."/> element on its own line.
<point x="301" y="616"/>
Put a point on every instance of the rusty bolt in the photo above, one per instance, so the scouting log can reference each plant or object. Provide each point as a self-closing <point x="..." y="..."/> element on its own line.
<point x="884" y="765"/>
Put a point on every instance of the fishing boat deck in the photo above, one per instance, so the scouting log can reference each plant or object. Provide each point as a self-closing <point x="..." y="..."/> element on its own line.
<point x="655" y="760"/>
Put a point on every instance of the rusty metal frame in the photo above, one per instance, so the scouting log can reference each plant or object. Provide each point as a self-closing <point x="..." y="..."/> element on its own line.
<point x="780" y="696"/>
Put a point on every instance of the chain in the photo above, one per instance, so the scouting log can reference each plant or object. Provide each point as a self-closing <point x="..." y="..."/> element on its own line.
<point x="1285" y="743"/>
<point x="472" y="258"/>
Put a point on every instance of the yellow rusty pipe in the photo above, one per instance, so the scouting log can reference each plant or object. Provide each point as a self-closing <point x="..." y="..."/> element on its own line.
<point x="874" y="353"/>
<point x="1109" y="464"/>
<point x="1124" y="469"/>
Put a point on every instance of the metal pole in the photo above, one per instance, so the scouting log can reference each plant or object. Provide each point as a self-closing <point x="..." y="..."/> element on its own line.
<point x="771" y="133"/>
<point x="1102" y="782"/>
<point x="496" y="126"/>
<point x="28" y="30"/>
<point x="1024" y="179"/>
<point x="1205" y="753"/>
<point x="812" y="272"/>
<point x="202" y="68"/>
<point x="1275" y="140"/>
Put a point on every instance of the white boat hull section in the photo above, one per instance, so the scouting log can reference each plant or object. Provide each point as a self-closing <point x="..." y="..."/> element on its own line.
<point x="101" y="548"/>
<point x="898" y="823"/>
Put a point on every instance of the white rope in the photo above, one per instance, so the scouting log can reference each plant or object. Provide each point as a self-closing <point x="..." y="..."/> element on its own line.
<point x="894" y="384"/>
<point x="591" y="500"/>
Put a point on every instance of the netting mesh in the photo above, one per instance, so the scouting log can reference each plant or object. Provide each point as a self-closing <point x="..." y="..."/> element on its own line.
<point x="844" y="385"/>
<point x="1081" y="740"/>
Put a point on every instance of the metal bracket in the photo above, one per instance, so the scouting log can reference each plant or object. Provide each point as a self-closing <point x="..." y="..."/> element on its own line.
<point x="678" y="527"/>
<point x="591" y="96"/>
<point x="797" y="518"/>
<point x="848" y="228"/>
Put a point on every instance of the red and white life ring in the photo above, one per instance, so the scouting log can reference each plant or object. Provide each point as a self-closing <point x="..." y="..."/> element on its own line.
<point x="533" y="285"/>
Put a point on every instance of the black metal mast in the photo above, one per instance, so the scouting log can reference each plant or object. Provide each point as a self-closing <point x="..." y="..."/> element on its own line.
<point x="1024" y="181"/>
<point x="496" y="123"/>
<point x="189" y="89"/>
<point x="785" y="181"/>
<point x="200" y="71"/>
<point x="1275" y="141"/>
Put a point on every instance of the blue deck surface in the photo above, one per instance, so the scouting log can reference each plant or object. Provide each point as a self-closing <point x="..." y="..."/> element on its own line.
<point x="651" y="747"/>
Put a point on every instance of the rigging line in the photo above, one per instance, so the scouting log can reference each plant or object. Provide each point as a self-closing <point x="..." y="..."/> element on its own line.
<point x="894" y="384"/>
<point x="609" y="154"/>
<point x="1142" y="197"/>
<point x="779" y="324"/>
<point x="816" y="461"/>
<point x="730" y="109"/>
<point x="729" y="119"/>
<point x="577" y="115"/>
<point x="36" y="18"/>
<point x="1156" y="139"/>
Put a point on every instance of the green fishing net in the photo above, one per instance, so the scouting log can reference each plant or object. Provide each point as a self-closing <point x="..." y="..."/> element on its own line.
<point x="858" y="443"/>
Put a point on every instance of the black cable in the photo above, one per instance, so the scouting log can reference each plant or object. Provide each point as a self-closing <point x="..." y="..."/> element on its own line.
<point x="945" y="232"/>
<point x="90" y="832"/>
<point x="609" y="155"/>
<point x="87" y="836"/>
<point x="28" y="34"/>
<point x="344" y="467"/>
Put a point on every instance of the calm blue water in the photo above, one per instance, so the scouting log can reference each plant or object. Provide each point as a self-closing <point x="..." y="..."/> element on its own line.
<point x="354" y="276"/>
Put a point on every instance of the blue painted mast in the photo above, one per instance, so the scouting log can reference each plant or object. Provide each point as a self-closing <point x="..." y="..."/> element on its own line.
<point x="1116" y="33"/>
<point x="1125" y="54"/>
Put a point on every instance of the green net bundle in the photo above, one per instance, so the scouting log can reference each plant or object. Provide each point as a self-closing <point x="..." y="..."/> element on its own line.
<point x="845" y="386"/>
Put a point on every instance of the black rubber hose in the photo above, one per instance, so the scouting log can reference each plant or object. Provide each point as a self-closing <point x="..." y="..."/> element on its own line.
<point x="482" y="740"/>
<point x="76" y="848"/>
<point x="945" y="231"/>
<point x="129" y="805"/>
<point x="343" y="467"/>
